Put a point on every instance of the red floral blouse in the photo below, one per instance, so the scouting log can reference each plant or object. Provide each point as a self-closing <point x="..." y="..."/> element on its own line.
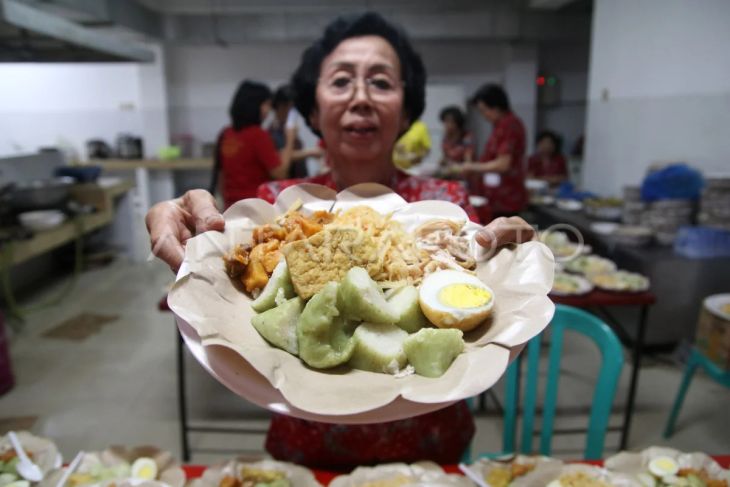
<point x="411" y="188"/>
<point x="506" y="191"/>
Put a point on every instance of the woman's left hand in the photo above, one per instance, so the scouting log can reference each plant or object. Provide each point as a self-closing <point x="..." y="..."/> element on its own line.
<point x="504" y="231"/>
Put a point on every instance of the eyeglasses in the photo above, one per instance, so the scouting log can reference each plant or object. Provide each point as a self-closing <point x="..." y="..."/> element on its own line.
<point x="377" y="87"/>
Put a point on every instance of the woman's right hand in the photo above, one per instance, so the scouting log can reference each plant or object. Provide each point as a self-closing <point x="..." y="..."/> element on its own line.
<point x="171" y="223"/>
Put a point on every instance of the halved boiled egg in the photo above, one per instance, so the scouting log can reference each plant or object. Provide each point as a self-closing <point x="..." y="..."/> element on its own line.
<point x="663" y="466"/>
<point x="144" y="468"/>
<point x="453" y="299"/>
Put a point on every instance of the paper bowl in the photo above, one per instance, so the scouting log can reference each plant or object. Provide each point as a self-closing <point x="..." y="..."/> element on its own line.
<point x="422" y="474"/>
<point x="584" y="285"/>
<point x="547" y="475"/>
<point x="544" y="466"/>
<point x="296" y="475"/>
<point x="169" y="472"/>
<point x="634" y="463"/>
<point x="44" y="451"/>
<point x="214" y="318"/>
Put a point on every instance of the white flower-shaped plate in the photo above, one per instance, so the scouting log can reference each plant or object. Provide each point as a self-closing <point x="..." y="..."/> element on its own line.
<point x="214" y="319"/>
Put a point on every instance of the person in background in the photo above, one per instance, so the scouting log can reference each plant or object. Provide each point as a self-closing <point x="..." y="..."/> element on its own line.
<point x="548" y="162"/>
<point x="283" y="104"/>
<point x="358" y="87"/>
<point x="412" y="147"/>
<point x="245" y="155"/>
<point x="457" y="145"/>
<point x="503" y="177"/>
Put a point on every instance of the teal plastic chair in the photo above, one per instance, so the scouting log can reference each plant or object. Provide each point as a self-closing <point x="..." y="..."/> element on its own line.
<point x="576" y="320"/>
<point x="696" y="359"/>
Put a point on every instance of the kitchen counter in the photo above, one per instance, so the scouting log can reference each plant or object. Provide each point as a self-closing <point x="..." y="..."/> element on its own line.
<point x="155" y="180"/>
<point x="680" y="283"/>
<point x="154" y="164"/>
<point x="100" y="195"/>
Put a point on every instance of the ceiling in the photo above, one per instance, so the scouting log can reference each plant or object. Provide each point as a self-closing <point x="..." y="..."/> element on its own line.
<point x="206" y="7"/>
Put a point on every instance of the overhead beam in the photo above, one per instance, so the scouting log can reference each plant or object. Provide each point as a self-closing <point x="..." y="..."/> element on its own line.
<point x="496" y="24"/>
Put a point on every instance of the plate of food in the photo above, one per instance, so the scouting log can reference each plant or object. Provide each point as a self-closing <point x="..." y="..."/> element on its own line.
<point x="569" y="205"/>
<point x="356" y="307"/>
<point x="425" y="474"/>
<point x="561" y="246"/>
<point x="620" y="281"/>
<point x="579" y="475"/>
<point x="118" y="466"/>
<point x="566" y="284"/>
<point x="244" y="472"/>
<point x="41" y="451"/>
<point x="589" y="265"/>
<point x="514" y="470"/>
<point x="664" y="467"/>
<point x="719" y="305"/>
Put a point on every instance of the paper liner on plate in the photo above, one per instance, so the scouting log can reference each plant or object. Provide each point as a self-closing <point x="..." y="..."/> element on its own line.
<point x="543" y="466"/>
<point x="611" y="479"/>
<point x="44" y="451"/>
<point x="169" y="472"/>
<point x="296" y="475"/>
<point x="634" y="463"/>
<point x="423" y="474"/>
<point x="205" y="298"/>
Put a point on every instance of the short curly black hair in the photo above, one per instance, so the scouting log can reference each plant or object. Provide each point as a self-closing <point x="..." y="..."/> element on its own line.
<point x="493" y="96"/>
<point x="556" y="139"/>
<point x="413" y="73"/>
<point x="456" y="114"/>
<point x="282" y="96"/>
<point x="245" y="107"/>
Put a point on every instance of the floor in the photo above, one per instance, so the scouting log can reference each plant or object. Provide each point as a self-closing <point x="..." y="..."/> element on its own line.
<point x="118" y="386"/>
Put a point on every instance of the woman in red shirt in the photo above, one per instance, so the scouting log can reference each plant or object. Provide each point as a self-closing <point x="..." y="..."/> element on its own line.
<point x="502" y="175"/>
<point x="457" y="144"/>
<point x="359" y="87"/>
<point x="245" y="153"/>
<point x="548" y="163"/>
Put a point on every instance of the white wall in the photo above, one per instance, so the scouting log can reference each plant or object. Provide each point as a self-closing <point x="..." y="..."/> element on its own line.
<point x="659" y="89"/>
<point x="67" y="104"/>
<point x="202" y="79"/>
<point x="568" y="63"/>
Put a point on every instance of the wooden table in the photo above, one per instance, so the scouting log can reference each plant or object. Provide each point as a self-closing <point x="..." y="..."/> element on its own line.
<point x="680" y="283"/>
<point x="101" y="196"/>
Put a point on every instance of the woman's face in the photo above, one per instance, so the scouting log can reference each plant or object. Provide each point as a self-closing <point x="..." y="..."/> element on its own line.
<point x="265" y="109"/>
<point x="490" y="113"/>
<point x="282" y="111"/>
<point x="360" y="105"/>
<point x="450" y="126"/>
<point x="546" y="147"/>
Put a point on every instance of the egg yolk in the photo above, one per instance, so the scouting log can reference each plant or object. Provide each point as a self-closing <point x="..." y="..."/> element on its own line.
<point x="464" y="296"/>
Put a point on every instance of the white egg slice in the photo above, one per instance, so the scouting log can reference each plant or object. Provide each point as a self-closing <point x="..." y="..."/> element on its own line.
<point x="663" y="466"/>
<point x="453" y="299"/>
<point x="555" y="483"/>
<point x="144" y="468"/>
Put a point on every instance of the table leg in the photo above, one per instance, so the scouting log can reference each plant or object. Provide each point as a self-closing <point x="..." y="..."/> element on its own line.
<point x="181" y="400"/>
<point x="636" y="358"/>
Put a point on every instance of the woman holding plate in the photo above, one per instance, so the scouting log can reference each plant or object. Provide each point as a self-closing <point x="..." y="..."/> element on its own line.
<point x="359" y="87"/>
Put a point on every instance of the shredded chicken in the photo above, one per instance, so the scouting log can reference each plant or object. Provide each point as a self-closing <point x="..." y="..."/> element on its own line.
<point x="446" y="245"/>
